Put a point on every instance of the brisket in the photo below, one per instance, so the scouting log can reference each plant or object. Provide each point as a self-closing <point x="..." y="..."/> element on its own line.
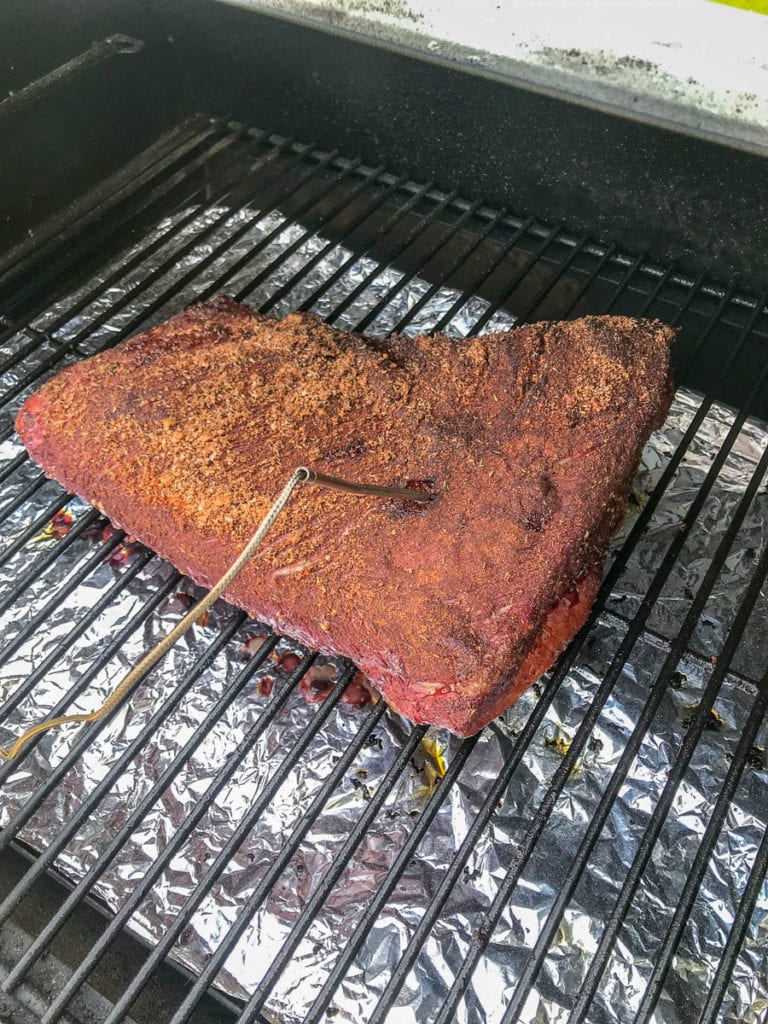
<point x="528" y="439"/>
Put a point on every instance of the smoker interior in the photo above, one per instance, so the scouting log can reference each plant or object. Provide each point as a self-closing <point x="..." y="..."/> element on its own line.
<point x="57" y="959"/>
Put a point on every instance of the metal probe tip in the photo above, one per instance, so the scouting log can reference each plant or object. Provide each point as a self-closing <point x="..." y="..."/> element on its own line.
<point x="311" y="476"/>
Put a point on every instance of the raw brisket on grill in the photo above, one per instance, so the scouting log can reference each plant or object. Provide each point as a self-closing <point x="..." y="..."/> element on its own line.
<point x="528" y="439"/>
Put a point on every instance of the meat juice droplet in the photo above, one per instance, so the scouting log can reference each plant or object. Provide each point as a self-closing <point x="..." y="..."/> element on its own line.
<point x="119" y="556"/>
<point x="252" y="644"/>
<point x="318" y="682"/>
<point x="264" y="686"/>
<point x="401" y="507"/>
<point x="288" y="662"/>
<point x="357" y="694"/>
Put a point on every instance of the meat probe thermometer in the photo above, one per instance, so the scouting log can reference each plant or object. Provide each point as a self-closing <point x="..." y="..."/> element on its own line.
<point x="302" y="475"/>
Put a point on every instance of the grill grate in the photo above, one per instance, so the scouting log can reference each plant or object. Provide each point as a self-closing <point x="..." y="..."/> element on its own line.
<point x="213" y="183"/>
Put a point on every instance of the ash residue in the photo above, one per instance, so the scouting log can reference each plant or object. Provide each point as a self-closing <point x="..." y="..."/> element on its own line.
<point x="340" y="10"/>
<point x="599" y="62"/>
<point x="392" y="8"/>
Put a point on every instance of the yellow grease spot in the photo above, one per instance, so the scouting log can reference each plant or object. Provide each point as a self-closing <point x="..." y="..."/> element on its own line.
<point x="558" y="743"/>
<point x="434" y="751"/>
<point x="45" y="535"/>
<point x="716" y="721"/>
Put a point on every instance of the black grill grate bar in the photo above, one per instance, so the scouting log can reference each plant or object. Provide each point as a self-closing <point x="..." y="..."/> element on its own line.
<point x="475" y="286"/>
<point x="437" y="283"/>
<point x="307" y="233"/>
<point x="83" y="571"/>
<point x="694" y="287"/>
<point x="376" y="203"/>
<point x="542" y="814"/>
<point x="28" y="577"/>
<point x="232" y="761"/>
<point x="632" y="272"/>
<point x="517" y="278"/>
<point x="450" y="232"/>
<point x="655" y="291"/>
<point x="72" y="343"/>
<point x="257" y="897"/>
<point x="650" y="506"/>
<point x="685" y="305"/>
<point x="31" y="488"/>
<point x="234" y="268"/>
<point x="600" y="815"/>
<point x="65" y="644"/>
<point x="163" y="713"/>
<point x="387" y="886"/>
<point x="186" y="278"/>
<point x="80" y="686"/>
<point x="717" y="319"/>
<point x="57" y="250"/>
<point x="642" y="263"/>
<point x="596" y="249"/>
<point x="693" y="882"/>
<point x="737" y="934"/>
<point x="484" y="318"/>
<point x="334" y="873"/>
<point x="35" y="526"/>
<point x="497" y="792"/>
<point x="242" y="190"/>
<point x="172" y="933"/>
<point x="385" y="229"/>
<point x="213" y="873"/>
<point x="146" y="251"/>
<point x="527" y="312"/>
<point x="394" y="290"/>
<point x="709" y="289"/>
<point x="12" y="465"/>
<point x="41" y="282"/>
<point x="462" y="855"/>
<point x="589" y="281"/>
<point x="653" y="829"/>
<point x="343" y="304"/>
<point x="395" y="252"/>
<point x="581" y="292"/>
<point x="55" y="246"/>
<point x="663" y="643"/>
<point x="622" y="259"/>
<point x="143" y="253"/>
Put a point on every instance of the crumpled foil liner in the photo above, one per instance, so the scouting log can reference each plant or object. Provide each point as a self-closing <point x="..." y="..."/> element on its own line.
<point x="571" y="952"/>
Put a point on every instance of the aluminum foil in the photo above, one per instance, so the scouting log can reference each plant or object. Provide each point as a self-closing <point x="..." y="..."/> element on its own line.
<point x="127" y="578"/>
